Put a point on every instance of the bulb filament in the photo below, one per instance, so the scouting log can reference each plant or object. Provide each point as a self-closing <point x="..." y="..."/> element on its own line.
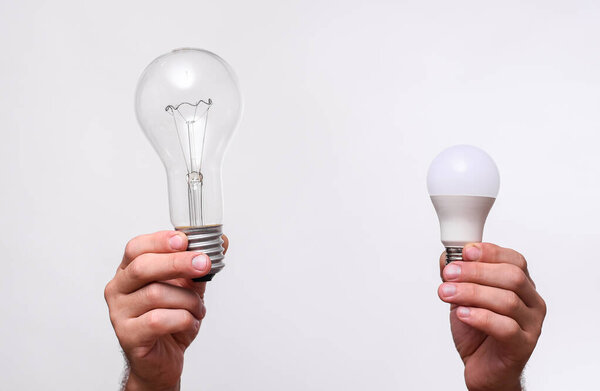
<point x="191" y="123"/>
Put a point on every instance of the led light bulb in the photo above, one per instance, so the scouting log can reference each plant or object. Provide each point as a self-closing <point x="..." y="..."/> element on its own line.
<point x="463" y="183"/>
<point x="188" y="104"/>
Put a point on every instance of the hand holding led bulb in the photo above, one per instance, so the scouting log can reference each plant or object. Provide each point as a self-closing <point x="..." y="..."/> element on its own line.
<point x="496" y="314"/>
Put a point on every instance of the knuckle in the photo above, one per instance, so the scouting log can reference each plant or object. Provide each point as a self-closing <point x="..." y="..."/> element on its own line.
<point x="485" y="319"/>
<point x="522" y="261"/>
<point x="476" y="271"/>
<point x="470" y="291"/>
<point x="187" y="320"/>
<point x="153" y="293"/>
<point x="512" y="329"/>
<point x="518" y="278"/>
<point x="171" y="265"/>
<point x="491" y="250"/>
<point x="513" y="302"/>
<point x="108" y="291"/>
<point x="174" y="263"/>
<point x="130" y="248"/>
<point x="155" y="320"/>
<point x="135" y="270"/>
<point x="544" y="308"/>
<point x="160" y="239"/>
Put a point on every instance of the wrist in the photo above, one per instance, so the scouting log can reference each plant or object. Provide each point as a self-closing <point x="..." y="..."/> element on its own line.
<point x="134" y="383"/>
<point x="505" y="386"/>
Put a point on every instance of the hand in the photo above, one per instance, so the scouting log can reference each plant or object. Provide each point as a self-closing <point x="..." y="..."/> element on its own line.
<point x="155" y="307"/>
<point x="496" y="314"/>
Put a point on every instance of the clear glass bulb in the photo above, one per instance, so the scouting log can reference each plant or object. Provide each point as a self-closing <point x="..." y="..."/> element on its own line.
<point x="463" y="182"/>
<point x="188" y="104"/>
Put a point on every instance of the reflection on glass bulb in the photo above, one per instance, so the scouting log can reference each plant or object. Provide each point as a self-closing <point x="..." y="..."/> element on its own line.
<point x="463" y="182"/>
<point x="189" y="104"/>
<point x="182" y="78"/>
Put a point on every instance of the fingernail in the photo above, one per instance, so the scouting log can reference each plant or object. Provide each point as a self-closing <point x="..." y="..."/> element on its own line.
<point x="176" y="242"/>
<point x="472" y="253"/>
<point x="197" y="325"/>
<point x="448" y="289"/>
<point x="463" y="312"/>
<point x="452" y="271"/>
<point x="200" y="262"/>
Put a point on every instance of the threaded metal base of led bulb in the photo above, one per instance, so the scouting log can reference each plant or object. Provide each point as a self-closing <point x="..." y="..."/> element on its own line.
<point x="208" y="241"/>
<point x="453" y="254"/>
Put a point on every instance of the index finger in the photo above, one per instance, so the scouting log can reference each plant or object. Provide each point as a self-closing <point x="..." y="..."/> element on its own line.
<point x="491" y="253"/>
<point x="158" y="242"/>
<point x="148" y="268"/>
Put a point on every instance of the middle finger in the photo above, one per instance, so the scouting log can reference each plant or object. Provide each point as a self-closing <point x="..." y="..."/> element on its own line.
<point x="500" y="301"/>
<point x="161" y="295"/>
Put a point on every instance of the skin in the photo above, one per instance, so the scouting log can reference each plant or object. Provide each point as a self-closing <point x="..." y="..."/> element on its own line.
<point x="155" y="307"/>
<point x="496" y="314"/>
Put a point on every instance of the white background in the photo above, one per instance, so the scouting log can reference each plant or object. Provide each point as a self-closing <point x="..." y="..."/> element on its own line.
<point x="332" y="272"/>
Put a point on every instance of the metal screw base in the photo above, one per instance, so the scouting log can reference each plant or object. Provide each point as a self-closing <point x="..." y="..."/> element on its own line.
<point x="208" y="241"/>
<point x="453" y="254"/>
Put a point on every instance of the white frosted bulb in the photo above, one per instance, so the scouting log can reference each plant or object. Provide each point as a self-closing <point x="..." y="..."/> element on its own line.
<point x="189" y="104"/>
<point x="463" y="182"/>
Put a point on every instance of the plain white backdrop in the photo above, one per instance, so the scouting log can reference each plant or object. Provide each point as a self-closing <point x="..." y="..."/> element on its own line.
<point x="332" y="272"/>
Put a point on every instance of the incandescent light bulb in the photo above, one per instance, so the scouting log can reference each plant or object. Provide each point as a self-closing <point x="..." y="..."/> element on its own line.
<point x="188" y="104"/>
<point x="463" y="183"/>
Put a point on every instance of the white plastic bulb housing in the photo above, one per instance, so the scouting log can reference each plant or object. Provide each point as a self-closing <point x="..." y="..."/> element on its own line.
<point x="463" y="182"/>
<point x="188" y="103"/>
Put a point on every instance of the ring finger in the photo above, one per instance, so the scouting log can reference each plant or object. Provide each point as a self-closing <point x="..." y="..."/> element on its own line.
<point x="497" y="300"/>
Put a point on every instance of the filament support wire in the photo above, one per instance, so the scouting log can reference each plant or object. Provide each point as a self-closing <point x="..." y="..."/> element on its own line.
<point x="191" y="132"/>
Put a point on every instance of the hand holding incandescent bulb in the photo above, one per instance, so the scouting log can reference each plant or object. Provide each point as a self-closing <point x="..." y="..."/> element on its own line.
<point x="155" y="308"/>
